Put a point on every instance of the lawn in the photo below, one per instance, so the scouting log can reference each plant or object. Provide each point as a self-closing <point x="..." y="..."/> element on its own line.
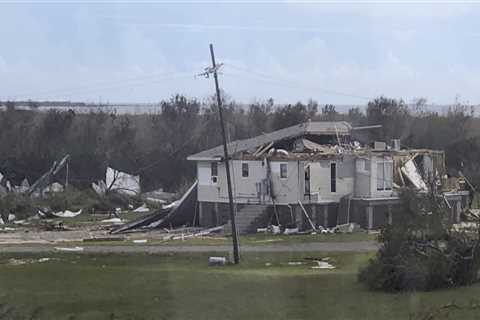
<point x="182" y="286"/>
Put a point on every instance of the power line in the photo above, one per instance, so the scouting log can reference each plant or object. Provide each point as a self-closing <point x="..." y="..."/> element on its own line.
<point x="289" y="83"/>
<point x="132" y="81"/>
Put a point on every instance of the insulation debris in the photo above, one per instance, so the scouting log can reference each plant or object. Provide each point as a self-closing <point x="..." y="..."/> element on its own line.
<point x="410" y="171"/>
<point x="122" y="182"/>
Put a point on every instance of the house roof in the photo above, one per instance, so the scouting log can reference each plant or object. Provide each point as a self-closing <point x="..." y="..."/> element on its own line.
<point x="312" y="127"/>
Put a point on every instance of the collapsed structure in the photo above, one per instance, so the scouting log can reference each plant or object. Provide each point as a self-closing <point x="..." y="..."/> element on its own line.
<point x="315" y="174"/>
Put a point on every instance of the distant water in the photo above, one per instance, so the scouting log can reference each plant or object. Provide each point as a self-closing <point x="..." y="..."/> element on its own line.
<point x="117" y="109"/>
<point x="155" y="108"/>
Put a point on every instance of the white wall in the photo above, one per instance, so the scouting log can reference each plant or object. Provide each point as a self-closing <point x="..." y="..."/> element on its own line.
<point x="320" y="178"/>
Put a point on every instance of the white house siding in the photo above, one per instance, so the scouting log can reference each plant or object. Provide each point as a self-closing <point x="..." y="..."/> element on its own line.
<point x="363" y="178"/>
<point x="320" y="178"/>
<point x="287" y="190"/>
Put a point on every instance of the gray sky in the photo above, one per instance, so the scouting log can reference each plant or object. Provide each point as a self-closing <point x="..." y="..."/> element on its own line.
<point x="334" y="53"/>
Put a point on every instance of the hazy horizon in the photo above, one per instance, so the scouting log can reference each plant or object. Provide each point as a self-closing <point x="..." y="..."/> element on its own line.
<point x="341" y="54"/>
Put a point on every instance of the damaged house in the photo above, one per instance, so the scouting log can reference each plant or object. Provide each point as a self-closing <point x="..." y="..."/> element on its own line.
<point x="315" y="173"/>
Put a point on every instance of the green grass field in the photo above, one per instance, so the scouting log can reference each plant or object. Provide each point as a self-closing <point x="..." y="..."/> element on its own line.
<point x="181" y="286"/>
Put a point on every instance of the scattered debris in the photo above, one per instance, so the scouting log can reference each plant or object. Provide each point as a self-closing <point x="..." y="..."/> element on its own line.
<point x="410" y="171"/>
<point x="122" y="182"/>
<point x="323" y="265"/>
<point x="347" y="228"/>
<point x="179" y="214"/>
<point x="295" y="263"/>
<point x="45" y="179"/>
<point x="113" y="221"/>
<point x="268" y="240"/>
<point x="262" y="230"/>
<point x="11" y="217"/>
<point x="100" y="188"/>
<point x="19" y="262"/>
<point x="140" y="241"/>
<point x="67" y="214"/>
<point x="289" y="231"/>
<point x="217" y="261"/>
<point x="69" y="249"/>
<point x="143" y="208"/>
<point x="53" y="188"/>
<point x="275" y="229"/>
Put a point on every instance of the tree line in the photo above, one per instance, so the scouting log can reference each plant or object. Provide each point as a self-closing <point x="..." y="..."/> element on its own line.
<point x="155" y="146"/>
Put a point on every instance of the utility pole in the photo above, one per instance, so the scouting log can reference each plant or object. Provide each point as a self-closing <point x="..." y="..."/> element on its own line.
<point x="208" y="71"/>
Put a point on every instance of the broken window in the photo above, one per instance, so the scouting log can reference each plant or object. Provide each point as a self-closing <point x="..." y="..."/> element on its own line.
<point x="214" y="171"/>
<point x="245" y="170"/>
<point x="283" y="170"/>
<point x="333" y="177"/>
<point x="384" y="175"/>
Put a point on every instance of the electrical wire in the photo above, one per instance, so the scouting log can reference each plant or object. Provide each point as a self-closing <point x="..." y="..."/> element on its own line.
<point x="132" y="81"/>
<point x="287" y="82"/>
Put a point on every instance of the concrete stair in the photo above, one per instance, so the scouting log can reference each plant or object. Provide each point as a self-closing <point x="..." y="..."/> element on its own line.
<point x="246" y="217"/>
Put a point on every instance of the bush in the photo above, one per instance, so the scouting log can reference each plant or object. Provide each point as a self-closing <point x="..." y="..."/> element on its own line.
<point x="420" y="252"/>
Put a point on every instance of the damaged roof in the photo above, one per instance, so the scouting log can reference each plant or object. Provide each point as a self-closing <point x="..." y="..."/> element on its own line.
<point x="341" y="128"/>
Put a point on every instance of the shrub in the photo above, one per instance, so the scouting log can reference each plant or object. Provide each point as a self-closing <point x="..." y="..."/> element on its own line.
<point x="420" y="252"/>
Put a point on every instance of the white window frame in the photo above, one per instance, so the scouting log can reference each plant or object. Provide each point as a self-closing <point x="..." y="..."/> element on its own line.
<point x="248" y="170"/>
<point x="286" y="170"/>
<point x="385" y="185"/>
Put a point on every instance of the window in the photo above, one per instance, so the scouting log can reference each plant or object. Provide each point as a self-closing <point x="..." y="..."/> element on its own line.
<point x="384" y="175"/>
<point x="333" y="177"/>
<point x="283" y="171"/>
<point x="214" y="171"/>
<point x="244" y="170"/>
<point x="307" y="180"/>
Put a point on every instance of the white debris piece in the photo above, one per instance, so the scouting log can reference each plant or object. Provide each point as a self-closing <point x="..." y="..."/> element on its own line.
<point x="1" y="220"/>
<point x="347" y="228"/>
<point x="67" y="213"/>
<point x="140" y="241"/>
<point x="122" y="182"/>
<point x="54" y="188"/>
<point x="69" y="249"/>
<point x="11" y="217"/>
<point x="465" y="226"/>
<point x="410" y="171"/>
<point x="171" y="205"/>
<point x="275" y="229"/>
<point x="217" y="261"/>
<point x="322" y="265"/>
<point x="142" y="208"/>
<point x="290" y="231"/>
<point x="113" y="220"/>
<point x="295" y="263"/>
<point x="100" y="188"/>
<point x="262" y="230"/>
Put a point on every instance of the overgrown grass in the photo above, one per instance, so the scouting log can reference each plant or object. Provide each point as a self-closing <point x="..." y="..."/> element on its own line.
<point x="181" y="286"/>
